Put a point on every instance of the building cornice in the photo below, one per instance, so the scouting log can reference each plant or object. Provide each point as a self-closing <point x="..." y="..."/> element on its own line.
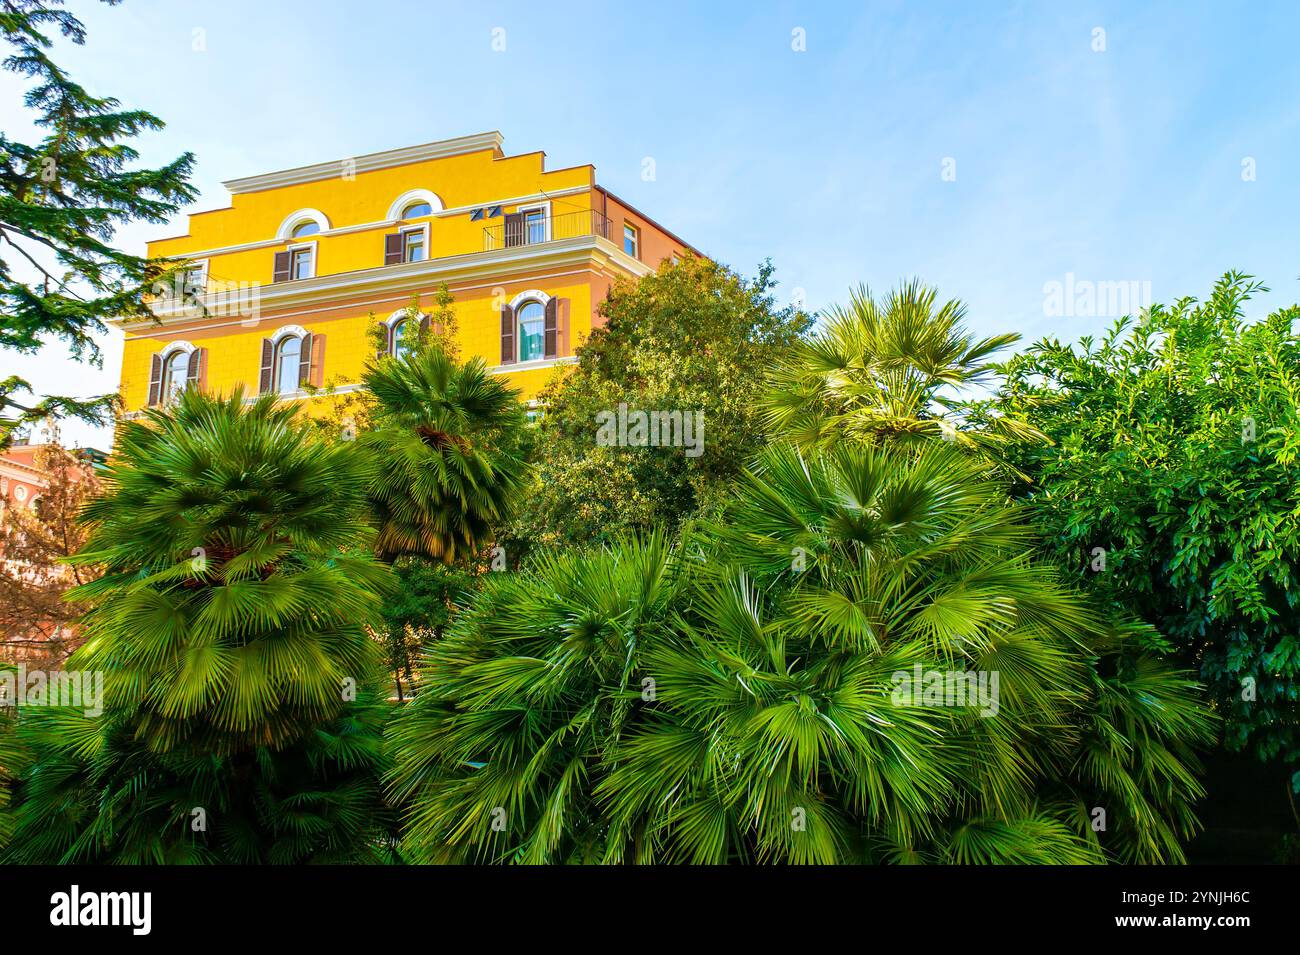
<point x="367" y="163"/>
<point x="412" y="277"/>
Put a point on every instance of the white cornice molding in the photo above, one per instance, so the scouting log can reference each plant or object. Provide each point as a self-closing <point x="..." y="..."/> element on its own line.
<point x="366" y="163"/>
<point x="370" y="226"/>
<point x="414" y="276"/>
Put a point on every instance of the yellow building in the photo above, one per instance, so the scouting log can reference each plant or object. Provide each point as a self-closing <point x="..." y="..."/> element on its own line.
<point x="293" y="274"/>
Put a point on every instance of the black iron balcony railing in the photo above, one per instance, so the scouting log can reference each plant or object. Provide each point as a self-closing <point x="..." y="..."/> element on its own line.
<point x="530" y="228"/>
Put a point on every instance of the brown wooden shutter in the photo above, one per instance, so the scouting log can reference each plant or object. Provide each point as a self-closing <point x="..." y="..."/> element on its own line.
<point x="304" y="361"/>
<point x="194" y="373"/>
<point x="424" y="324"/>
<point x="551" y="329"/>
<point x="392" y="248"/>
<point x="562" y="346"/>
<point x="514" y="228"/>
<point x="268" y="367"/>
<point x="283" y="264"/>
<point x="507" y="335"/>
<point x="155" y="378"/>
<point x="317" y="359"/>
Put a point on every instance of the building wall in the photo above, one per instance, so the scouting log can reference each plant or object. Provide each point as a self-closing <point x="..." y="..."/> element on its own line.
<point x="239" y="243"/>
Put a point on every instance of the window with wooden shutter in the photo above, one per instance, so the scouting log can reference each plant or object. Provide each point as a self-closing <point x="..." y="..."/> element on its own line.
<point x="195" y="373"/>
<point x="507" y="335"/>
<point x="551" y="329"/>
<point x="514" y="229"/>
<point x="155" y="378"/>
<point x="283" y="265"/>
<point x="267" y="378"/>
<point x="424" y="324"/>
<point x="304" y="361"/>
<point x="393" y="248"/>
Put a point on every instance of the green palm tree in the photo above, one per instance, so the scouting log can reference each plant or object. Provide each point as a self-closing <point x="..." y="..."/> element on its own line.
<point x="447" y="451"/>
<point x="239" y="719"/>
<point x="737" y="697"/>
<point x="897" y="371"/>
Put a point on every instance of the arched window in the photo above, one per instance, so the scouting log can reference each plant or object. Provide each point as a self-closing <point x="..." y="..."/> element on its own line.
<point x="176" y="370"/>
<point x="304" y="229"/>
<point x="417" y="209"/>
<point x="288" y="362"/>
<point x="532" y="330"/>
<point x="400" y="347"/>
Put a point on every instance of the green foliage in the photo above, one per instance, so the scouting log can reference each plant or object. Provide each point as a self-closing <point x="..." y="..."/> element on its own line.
<point x="1174" y="449"/>
<point x="61" y="200"/>
<point x="732" y="698"/>
<point x="891" y="371"/>
<point x="428" y="596"/>
<point x="447" y="450"/>
<point x="694" y="336"/>
<point x="230" y="626"/>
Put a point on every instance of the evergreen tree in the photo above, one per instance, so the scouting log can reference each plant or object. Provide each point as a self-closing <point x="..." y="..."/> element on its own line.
<point x="61" y="200"/>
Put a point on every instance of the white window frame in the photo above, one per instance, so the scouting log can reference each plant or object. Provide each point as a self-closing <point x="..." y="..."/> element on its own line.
<point x="200" y="266"/>
<point x="410" y="196"/>
<point x="167" y="354"/>
<point x="545" y="209"/>
<point x="424" y="232"/>
<point x="636" y="240"/>
<point x="281" y="333"/>
<point x="519" y="301"/>
<point x="297" y="218"/>
<point x="391" y="323"/>
<point x="295" y="247"/>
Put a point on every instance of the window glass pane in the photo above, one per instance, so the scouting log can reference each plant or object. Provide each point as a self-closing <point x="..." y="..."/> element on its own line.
<point x="415" y="210"/>
<point x="305" y="228"/>
<point x="532" y="328"/>
<point x="302" y="264"/>
<point x="400" y="347"/>
<point x="286" y="366"/>
<point x="414" y="246"/>
<point x="536" y="223"/>
<point x="174" y="382"/>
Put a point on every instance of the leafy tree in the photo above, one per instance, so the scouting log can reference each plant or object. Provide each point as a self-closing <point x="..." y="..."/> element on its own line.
<point x="446" y="446"/>
<point x="693" y="337"/>
<point x="61" y="200"/>
<point x="427" y="598"/>
<point x="1170" y="489"/>
<point x="240" y="718"/>
<point x="890" y="371"/>
<point x="36" y="623"/>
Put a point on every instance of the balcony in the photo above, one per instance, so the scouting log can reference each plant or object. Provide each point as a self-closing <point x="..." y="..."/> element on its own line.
<point x="533" y="228"/>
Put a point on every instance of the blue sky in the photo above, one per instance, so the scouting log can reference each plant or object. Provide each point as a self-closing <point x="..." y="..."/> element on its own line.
<point x="1126" y="164"/>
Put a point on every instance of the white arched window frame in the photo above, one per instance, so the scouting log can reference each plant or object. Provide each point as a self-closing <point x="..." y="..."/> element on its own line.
<point x="524" y="347"/>
<point x="175" y="371"/>
<point x="301" y="216"/>
<point x="409" y="198"/>
<point x="395" y="330"/>
<point x="530" y="330"/>
<point x="286" y="358"/>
